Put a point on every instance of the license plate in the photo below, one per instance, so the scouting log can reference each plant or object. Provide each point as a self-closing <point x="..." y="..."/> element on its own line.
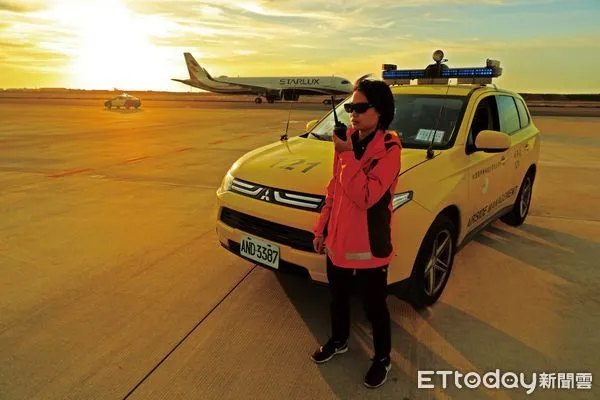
<point x="260" y="251"/>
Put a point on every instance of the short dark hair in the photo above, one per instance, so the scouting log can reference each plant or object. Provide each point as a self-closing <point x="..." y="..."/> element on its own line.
<point x="379" y="94"/>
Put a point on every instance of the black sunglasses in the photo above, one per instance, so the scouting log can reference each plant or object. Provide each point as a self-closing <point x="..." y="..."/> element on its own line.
<point x="358" y="107"/>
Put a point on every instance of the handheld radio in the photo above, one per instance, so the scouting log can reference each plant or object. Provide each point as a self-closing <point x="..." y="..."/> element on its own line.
<point x="340" y="128"/>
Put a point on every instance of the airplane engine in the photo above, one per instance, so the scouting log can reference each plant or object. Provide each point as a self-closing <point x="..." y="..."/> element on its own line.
<point x="290" y="95"/>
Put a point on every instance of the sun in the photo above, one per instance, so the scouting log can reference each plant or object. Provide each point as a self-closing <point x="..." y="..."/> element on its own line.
<point x="113" y="46"/>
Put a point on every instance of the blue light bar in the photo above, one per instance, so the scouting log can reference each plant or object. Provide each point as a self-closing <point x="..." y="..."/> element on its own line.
<point x="404" y="74"/>
<point x="445" y="73"/>
<point x="467" y="72"/>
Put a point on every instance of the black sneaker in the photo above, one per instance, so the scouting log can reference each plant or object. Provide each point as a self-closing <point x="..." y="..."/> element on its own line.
<point x="378" y="372"/>
<point x="328" y="350"/>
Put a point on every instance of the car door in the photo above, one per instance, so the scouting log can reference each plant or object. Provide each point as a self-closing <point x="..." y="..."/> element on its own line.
<point x="524" y="143"/>
<point x="518" y="125"/>
<point x="488" y="173"/>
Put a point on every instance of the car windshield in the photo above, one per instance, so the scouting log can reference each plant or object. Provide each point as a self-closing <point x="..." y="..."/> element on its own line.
<point x="417" y="118"/>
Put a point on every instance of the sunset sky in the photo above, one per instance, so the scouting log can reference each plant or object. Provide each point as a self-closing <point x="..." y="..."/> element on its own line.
<point x="543" y="45"/>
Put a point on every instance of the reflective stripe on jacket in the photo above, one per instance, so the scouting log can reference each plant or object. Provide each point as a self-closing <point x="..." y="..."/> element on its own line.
<point x="356" y="217"/>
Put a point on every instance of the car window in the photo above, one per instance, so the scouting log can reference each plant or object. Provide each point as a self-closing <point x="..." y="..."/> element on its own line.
<point x="484" y="118"/>
<point x="509" y="116"/>
<point x="523" y="115"/>
<point x="418" y="119"/>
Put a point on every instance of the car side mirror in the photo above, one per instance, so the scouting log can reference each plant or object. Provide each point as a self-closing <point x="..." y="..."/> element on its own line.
<point x="311" y="124"/>
<point x="490" y="141"/>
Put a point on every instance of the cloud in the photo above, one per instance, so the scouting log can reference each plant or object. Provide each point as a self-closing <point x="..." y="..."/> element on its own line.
<point x="35" y="60"/>
<point x="258" y="37"/>
<point x="31" y="41"/>
<point x="20" y="6"/>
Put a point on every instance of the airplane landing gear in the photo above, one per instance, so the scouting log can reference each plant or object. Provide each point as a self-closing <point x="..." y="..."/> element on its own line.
<point x="270" y="99"/>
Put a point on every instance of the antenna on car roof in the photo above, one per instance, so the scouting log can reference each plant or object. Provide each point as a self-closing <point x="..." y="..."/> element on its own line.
<point x="284" y="138"/>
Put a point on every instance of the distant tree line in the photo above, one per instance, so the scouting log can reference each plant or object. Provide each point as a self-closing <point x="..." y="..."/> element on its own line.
<point x="559" y="97"/>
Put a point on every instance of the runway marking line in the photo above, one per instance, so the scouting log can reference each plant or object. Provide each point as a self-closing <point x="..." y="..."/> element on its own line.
<point x="238" y="137"/>
<point x="135" y="159"/>
<point x="69" y="172"/>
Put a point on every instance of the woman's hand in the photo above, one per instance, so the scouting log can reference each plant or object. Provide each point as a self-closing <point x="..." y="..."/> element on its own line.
<point x="318" y="244"/>
<point x="341" y="145"/>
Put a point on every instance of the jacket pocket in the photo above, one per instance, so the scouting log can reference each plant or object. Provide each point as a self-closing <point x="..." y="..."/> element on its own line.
<point x="379" y="218"/>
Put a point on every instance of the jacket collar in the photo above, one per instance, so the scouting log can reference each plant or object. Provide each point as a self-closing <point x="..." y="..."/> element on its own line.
<point x="376" y="145"/>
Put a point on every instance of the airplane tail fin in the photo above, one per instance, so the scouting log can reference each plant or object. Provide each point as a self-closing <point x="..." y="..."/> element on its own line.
<point x="197" y="73"/>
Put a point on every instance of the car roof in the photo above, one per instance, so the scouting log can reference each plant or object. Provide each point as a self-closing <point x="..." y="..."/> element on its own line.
<point x="448" y="90"/>
<point x="439" y="90"/>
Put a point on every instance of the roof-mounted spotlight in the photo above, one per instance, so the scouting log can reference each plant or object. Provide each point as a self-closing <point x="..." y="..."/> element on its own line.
<point x="438" y="56"/>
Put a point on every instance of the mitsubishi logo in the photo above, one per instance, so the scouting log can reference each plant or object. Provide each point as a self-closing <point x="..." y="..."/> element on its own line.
<point x="265" y="195"/>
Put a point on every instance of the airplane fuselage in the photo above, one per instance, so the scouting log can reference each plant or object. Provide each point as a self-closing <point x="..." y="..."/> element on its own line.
<point x="278" y="87"/>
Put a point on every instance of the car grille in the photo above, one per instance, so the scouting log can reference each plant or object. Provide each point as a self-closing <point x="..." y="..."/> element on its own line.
<point x="282" y="234"/>
<point x="280" y="197"/>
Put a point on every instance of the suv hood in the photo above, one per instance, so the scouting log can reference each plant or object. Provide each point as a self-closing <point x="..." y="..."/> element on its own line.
<point x="301" y="165"/>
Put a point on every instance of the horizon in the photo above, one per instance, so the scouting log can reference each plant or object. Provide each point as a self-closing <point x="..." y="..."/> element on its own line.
<point x="200" y="91"/>
<point x="101" y="45"/>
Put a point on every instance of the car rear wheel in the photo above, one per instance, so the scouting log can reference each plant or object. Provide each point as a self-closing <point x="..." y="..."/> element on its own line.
<point x="520" y="209"/>
<point x="433" y="265"/>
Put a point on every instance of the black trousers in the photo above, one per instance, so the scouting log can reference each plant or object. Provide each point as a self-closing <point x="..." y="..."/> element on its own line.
<point x="372" y="289"/>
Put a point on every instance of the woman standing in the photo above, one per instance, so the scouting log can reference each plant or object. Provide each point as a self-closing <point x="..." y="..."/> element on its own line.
<point x="354" y="227"/>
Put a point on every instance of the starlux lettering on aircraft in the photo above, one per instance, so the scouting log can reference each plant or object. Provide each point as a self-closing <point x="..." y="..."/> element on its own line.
<point x="299" y="81"/>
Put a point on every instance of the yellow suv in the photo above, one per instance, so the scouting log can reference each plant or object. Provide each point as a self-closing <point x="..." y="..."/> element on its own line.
<point x="470" y="155"/>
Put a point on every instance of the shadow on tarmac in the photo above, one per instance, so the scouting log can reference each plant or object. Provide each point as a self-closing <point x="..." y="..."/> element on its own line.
<point x="124" y="110"/>
<point x="486" y="350"/>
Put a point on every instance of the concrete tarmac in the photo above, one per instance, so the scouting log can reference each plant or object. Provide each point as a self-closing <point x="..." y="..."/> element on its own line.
<point x="113" y="284"/>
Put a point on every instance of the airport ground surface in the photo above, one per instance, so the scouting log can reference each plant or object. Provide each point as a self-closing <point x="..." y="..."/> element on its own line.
<point x="113" y="284"/>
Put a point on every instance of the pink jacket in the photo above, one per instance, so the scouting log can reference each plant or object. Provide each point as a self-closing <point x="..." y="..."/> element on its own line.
<point x="356" y="217"/>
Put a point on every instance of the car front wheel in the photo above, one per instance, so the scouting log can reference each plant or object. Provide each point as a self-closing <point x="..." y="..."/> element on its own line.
<point x="433" y="264"/>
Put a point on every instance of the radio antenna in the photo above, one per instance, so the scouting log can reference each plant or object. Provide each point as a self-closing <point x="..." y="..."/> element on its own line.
<point x="284" y="138"/>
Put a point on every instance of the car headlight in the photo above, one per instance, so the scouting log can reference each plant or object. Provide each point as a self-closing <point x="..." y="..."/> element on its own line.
<point x="401" y="199"/>
<point x="227" y="182"/>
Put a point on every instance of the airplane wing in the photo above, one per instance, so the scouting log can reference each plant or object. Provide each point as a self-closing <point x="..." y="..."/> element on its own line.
<point x="279" y="89"/>
<point x="255" y="87"/>
<point x="318" y="91"/>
